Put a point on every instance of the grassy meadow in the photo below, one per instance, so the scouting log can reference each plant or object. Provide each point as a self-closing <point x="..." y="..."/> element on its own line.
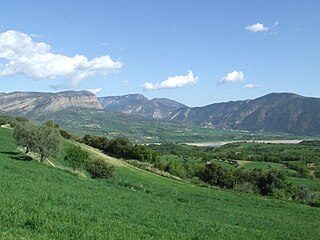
<point x="39" y="201"/>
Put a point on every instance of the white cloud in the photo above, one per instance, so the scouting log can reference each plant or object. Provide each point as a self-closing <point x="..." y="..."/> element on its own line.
<point x="172" y="82"/>
<point x="231" y="77"/>
<point x="251" y="86"/>
<point x="95" y="91"/>
<point x="258" y="27"/>
<point x="125" y="82"/>
<point x="36" y="61"/>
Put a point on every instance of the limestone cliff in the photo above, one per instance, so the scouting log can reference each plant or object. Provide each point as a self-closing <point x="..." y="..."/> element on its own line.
<point x="28" y="102"/>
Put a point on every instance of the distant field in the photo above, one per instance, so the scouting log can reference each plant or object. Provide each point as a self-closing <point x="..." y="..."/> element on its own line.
<point x="312" y="184"/>
<point x="221" y="143"/>
<point x="40" y="202"/>
<point x="262" y="165"/>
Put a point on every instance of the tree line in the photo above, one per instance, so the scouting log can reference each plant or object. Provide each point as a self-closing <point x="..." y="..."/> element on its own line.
<point x="121" y="147"/>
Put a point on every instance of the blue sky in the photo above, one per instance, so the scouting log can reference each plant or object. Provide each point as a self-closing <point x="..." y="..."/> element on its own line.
<point x="195" y="52"/>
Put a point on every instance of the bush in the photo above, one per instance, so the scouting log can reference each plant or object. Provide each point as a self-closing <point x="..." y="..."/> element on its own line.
<point x="65" y="134"/>
<point x="76" y="157"/>
<point x="99" y="168"/>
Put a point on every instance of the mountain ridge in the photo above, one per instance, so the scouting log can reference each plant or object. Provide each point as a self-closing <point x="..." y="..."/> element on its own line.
<point x="274" y="112"/>
<point x="28" y="102"/>
<point x="137" y="104"/>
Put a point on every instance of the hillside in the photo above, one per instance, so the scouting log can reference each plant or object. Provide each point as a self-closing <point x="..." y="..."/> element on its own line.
<point x="276" y="112"/>
<point x="138" y="104"/>
<point x="41" y="202"/>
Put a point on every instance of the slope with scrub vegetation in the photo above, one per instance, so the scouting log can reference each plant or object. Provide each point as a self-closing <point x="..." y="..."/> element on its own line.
<point x="43" y="202"/>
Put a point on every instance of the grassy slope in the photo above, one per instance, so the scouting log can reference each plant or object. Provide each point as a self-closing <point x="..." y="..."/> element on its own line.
<point x="40" y="202"/>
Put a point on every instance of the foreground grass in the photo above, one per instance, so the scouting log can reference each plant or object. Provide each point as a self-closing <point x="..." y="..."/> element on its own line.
<point x="41" y="202"/>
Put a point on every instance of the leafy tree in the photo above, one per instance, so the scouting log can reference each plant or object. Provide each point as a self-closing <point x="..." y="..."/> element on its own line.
<point x="27" y="136"/>
<point x="39" y="139"/>
<point x="48" y="141"/>
<point x="96" y="141"/>
<point x="120" y="147"/>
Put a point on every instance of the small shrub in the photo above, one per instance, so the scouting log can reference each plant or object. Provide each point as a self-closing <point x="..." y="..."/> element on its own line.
<point x="99" y="168"/>
<point x="76" y="157"/>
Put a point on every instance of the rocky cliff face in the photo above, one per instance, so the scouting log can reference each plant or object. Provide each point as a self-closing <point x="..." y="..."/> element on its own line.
<point x="138" y="104"/>
<point x="28" y="102"/>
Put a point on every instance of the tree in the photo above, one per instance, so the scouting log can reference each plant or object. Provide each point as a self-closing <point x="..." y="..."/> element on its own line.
<point x="40" y="139"/>
<point x="120" y="147"/>
<point x="48" y="141"/>
<point x="26" y="135"/>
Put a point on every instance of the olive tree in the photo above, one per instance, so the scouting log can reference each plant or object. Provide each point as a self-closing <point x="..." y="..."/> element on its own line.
<point x="38" y="138"/>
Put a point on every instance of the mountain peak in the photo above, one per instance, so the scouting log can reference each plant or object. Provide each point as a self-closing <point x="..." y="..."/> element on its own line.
<point x="138" y="104"/>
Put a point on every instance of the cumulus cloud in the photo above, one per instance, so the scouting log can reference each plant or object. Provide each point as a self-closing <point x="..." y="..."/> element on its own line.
<point x="258" y="27"/>
<point x="231" y="77"/>
<point x="173" y="82"/>
<point x="251" y="86"/>
<point x="36" y="60"/>
<point x="95" y="90"/>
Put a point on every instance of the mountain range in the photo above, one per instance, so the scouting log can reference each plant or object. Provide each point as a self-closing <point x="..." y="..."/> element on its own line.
<point x="275" y="112"/>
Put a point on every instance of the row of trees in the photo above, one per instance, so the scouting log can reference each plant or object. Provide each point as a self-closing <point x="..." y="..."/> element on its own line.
<point x="121" y="147"/>
<point x="264" y="182"/>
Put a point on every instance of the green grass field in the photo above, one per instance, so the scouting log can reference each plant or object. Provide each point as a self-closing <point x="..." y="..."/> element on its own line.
<point x="41" y="202"/>
<point x="262" y="165"/>
<point x="312" y="184"/>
